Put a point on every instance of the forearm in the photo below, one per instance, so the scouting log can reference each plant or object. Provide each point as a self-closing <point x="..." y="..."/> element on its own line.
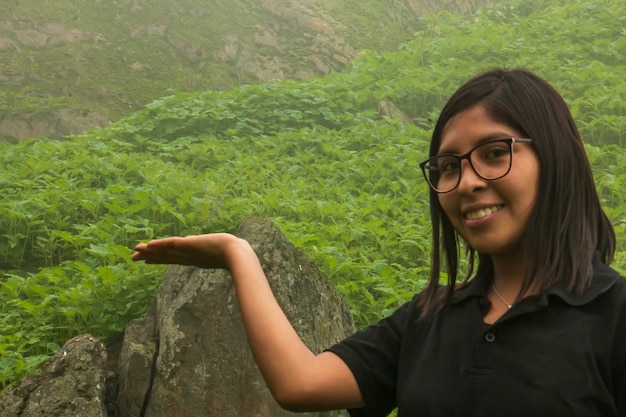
<point x="276" y="346"/>
<point x="297" y="378"/>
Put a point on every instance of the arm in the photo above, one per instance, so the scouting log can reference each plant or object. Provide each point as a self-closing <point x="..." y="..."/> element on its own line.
<point x="298" y="379"/>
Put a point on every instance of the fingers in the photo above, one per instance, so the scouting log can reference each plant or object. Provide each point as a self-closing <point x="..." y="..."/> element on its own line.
<point x="159" y="251"/>
<point x="205" y="251"/>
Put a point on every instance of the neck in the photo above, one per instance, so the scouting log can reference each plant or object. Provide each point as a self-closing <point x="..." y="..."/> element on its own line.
<point x="508" y="276"/>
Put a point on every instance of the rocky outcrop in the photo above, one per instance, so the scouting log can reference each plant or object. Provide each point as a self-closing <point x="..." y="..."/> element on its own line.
<point x="387" y="109"/>
<point x="71" y="384"/>
<point x="51" y="124"/>
<point x="188" y="356"/>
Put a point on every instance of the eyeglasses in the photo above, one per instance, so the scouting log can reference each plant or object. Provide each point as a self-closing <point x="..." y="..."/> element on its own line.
<point x="490" y="160"/>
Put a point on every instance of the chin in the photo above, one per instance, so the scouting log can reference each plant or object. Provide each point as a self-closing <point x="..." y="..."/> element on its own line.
<point x="486" y="250"/>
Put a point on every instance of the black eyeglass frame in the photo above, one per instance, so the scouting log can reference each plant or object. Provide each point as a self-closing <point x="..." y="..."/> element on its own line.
<point x="460" y="158"/>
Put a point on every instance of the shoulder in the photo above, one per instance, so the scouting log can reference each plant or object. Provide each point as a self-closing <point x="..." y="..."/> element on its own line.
<point x="606" y="297"/>
<point x="607" y="307"/>
<point x="619" y="287"/>
<point x="610" y="283"/>
<point x="607" y="289"/>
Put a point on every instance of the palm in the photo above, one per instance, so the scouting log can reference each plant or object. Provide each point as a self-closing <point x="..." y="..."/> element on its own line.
<point x="204" y="251"/>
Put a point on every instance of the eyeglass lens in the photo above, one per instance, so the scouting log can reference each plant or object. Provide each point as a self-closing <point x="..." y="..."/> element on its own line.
<point x="491" y="160"/>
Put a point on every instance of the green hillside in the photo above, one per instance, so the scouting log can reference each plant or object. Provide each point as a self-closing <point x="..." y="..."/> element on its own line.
<point x="313" y="156"/>
<point x="68" y="66"/>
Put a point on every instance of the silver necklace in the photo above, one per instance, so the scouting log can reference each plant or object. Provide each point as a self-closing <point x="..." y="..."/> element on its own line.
<point x="500" y="297"/>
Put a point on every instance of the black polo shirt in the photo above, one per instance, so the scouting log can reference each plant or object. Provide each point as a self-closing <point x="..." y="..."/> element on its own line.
<point x="555" y="354"/>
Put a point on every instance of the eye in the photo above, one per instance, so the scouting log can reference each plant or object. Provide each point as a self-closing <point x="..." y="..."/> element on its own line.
<point x="494" y="151"/>
<point x="447" y="164"/>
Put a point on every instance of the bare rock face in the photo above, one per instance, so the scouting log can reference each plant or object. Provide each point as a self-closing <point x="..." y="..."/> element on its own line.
<point x="136" y="364"/>
<point x="189" y="356"/>
<point x="71" y="384"/>
<point x="386" y="108"/>
<point x="52" y="124"/>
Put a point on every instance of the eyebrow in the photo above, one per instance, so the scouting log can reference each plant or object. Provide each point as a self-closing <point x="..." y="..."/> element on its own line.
<point x="485" y="139"/>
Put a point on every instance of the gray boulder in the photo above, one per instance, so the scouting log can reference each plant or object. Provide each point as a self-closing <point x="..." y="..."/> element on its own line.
<point x="71" y="384"/>
<point x="189" y="356"/>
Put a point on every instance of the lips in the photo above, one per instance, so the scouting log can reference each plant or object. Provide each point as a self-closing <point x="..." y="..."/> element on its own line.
<point x="480" y="213"/>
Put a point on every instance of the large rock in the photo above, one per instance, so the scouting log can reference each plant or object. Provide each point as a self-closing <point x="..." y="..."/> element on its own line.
<point x="71" y="384"/>
<point x="189" y="355"/>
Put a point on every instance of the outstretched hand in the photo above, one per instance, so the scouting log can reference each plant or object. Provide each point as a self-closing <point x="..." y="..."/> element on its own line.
<point x="204" y="251"/>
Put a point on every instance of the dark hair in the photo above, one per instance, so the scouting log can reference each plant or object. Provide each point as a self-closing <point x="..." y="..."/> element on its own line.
<point x="567" y="223"/>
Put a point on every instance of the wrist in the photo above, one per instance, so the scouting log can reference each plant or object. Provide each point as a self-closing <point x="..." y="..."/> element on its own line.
<point x="236" y="252"/>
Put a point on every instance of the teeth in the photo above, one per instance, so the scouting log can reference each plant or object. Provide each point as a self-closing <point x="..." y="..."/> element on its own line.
<point x="479" y="214"/>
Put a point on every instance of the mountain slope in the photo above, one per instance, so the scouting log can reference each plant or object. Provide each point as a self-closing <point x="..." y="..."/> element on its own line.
<point x="77" y="64"/>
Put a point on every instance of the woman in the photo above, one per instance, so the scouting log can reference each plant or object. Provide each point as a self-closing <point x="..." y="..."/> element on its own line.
<point x="538" y="329"/>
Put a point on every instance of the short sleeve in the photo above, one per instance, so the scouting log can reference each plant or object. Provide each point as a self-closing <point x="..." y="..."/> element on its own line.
<point x="372" y="355"/>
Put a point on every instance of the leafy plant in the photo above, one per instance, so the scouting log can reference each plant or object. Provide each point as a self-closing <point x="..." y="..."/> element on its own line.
<point x="343" y="185"/>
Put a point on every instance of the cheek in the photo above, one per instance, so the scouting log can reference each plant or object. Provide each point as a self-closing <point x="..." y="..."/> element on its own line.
<point x="522" y="182"/>
<point x="531" y="181"/>
<point x="523" y="192"/>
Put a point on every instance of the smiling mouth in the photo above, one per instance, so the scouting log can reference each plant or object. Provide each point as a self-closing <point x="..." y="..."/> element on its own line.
<point x="479" y="214"/>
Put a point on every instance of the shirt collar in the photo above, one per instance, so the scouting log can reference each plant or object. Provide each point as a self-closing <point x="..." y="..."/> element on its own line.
<point x="477" y="287"/>
<point x="603" y="279"/>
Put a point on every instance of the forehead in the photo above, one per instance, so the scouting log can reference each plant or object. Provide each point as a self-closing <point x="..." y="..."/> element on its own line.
<point x="469" y="127"/>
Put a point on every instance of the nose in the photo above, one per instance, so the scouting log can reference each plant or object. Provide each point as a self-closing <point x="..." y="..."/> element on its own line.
<point x="470" y="181"/>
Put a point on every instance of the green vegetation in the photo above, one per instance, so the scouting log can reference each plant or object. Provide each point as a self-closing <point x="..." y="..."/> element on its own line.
<point x="343" y="186"/>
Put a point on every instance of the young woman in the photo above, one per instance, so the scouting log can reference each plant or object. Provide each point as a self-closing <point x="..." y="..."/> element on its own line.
<point x="536" y="327"/>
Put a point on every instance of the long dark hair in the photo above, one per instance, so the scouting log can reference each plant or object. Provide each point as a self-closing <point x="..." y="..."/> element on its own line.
<point x="567" y="223"/>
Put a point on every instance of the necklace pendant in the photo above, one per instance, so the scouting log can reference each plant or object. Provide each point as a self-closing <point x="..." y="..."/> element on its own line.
<point x="493" y="287"/>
